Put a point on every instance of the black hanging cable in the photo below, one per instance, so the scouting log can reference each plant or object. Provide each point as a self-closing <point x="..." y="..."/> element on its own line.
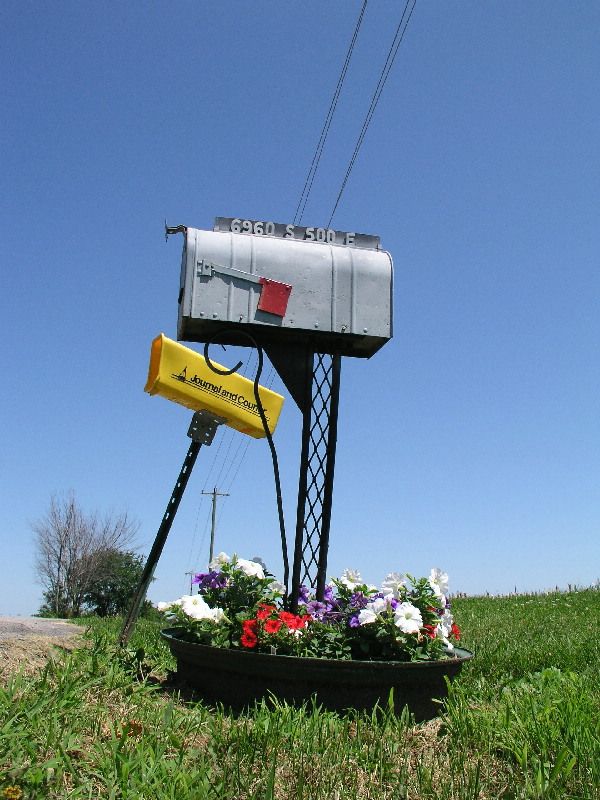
<point x="265" y="424"/>
<point x="317" y="156"/>
<point x="397" y="41"/>
<point x="237" y="458"/>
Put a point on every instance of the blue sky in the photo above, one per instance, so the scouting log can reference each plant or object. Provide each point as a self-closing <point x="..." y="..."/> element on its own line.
<point x="471" y="440"/>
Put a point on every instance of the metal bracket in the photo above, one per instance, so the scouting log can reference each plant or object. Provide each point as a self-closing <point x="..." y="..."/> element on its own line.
<point x="204" y="426"/>
<point x="176" y="229"/>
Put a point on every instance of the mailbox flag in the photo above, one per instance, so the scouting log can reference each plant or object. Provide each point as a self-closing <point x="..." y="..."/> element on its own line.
<point x="183" y="376"/>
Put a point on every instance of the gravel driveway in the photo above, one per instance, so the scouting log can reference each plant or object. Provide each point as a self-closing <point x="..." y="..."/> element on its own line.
<point x="22" y="627"/>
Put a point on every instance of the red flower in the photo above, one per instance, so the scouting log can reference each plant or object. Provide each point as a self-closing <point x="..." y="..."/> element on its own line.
<point x="293" y="622"/>
<point x="264" y="611"/>
<point x="250" y="626"/>
<point x="455" y="631"/>
<point x="287" y="618"/>
<point x="272" y="625"/>
<point x="429" y="630"/>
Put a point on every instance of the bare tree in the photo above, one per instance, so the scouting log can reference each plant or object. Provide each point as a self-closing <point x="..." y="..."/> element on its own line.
<point x="70" y="546"/>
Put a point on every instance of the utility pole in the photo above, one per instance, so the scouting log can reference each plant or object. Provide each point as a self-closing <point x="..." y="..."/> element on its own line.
<point x="215" y="494"/>
<point x="191" y="584"/>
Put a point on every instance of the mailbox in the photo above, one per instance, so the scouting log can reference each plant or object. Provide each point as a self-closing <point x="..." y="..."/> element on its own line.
<point x="328" y="290"/>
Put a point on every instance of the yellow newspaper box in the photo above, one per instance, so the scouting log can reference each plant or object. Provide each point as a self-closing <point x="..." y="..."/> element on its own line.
<point x="182" y="375"/>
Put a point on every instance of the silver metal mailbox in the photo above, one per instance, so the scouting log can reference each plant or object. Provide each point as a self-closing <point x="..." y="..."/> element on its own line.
<point x="337" y="298"/>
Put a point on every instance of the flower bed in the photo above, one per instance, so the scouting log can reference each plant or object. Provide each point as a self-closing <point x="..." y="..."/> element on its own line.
<point x="239" y="605"/>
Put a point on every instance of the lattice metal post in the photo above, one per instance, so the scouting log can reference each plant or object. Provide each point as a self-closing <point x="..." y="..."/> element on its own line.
<point x="317" y="464"/>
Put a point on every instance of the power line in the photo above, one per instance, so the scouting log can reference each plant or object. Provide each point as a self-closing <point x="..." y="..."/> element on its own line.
<point x="325" y="130"/>
<point x="222" y="462"/>
<point x="397" y="41"/>
<point x="399" y="35"/>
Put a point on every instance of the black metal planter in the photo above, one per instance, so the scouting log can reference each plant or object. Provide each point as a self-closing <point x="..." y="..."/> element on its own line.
<point x="238" y="678"/>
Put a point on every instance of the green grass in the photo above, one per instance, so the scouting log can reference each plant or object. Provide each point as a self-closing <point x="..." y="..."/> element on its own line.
<point x="520" y="723"/>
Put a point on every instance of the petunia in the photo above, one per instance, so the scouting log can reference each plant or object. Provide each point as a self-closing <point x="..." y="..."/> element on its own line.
<point x="272" y="625"/>
<point x="210" y="580"/>
<point x="351" y="578"/>
<point x="328" y="595"/>
<point x="264" y="611"/>
<point x="316" y="609"/>
<point x="358" y="600"/>
<point x="392" y="585"/>
<point x="444" y="629"/>
<point x="372" y="611"/>
<point x="196" y="607"/>
<point x="219" y="561"/>
<point x="277" y="587"/>
<point x="429" y="630"/>
<point x="408" y="618"/>
<point x="438" y="581"/>
<point x="304" y="595"/>
<point x="293" y="622"/>
<point x="250" y="568"/>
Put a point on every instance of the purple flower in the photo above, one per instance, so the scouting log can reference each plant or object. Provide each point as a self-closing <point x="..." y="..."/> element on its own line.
<point x="303" y="595"/>
<point x="316" y="609"/>
<point x="328" y="594"/>
<point x="353" y="620"/>
<point x="210" y="580"/>
<point x="358" y="600"/>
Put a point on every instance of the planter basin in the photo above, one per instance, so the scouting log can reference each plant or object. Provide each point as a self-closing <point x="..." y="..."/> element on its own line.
<point x="238" y="678"/>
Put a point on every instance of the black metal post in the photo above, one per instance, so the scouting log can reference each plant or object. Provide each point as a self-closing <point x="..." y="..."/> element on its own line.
<point x="159" y="542"/>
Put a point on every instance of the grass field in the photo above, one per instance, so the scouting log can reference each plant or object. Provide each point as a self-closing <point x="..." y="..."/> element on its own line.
<point x="522" y="721"/>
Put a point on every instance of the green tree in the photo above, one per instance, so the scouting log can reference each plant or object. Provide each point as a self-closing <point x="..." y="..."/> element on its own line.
<point x="117" y="575"/>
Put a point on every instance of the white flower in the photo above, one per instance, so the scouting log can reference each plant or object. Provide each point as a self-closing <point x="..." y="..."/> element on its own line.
<point x="196" y="607"/>
<point x="444" y="628"/>
<point x="219" y="560"/>
<point x="166" y="606"/>
<point x="277" y="587"/>
<point x="438" y="581"/>
<point x="259" y="561"/>
<point x="351" y="578"/>
<point x="372" y="611"/>
<point x="408" y="618"/>
<point x="393" y="583"/>
<point x="218" y="615"/>
<point x="445" y="622"/>
<point x="250" y="568"/>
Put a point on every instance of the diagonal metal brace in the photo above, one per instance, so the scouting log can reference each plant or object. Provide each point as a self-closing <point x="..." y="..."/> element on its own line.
<point x="201" y="431"/>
